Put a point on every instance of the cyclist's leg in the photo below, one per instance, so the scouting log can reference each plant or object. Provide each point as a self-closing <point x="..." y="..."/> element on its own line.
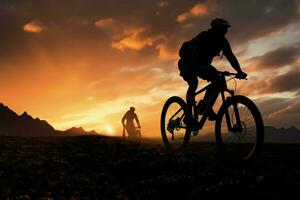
<point x="210" y="73"/>
<point x="130" y="130"/>
<point x="138" y="133"/>
<point x="190" y="99"/>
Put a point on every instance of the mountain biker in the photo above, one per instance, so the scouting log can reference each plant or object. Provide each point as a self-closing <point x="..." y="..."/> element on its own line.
<point x="129" y="117"/>
<point x="205" y="46"/>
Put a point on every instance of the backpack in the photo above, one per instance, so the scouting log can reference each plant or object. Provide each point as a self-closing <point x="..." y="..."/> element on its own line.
<point x="186" y="50"/>
<point x="186" y="59"/>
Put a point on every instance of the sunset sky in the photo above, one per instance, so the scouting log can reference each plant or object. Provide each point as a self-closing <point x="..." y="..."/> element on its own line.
<point x="85" y="62"/>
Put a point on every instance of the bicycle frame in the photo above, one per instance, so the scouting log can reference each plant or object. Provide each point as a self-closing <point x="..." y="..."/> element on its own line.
<point x="223" y="89"/>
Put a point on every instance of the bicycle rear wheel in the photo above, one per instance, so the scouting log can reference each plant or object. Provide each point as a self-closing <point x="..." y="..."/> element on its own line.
<point x="243" y="140"/>
<point x="173" y="126"/>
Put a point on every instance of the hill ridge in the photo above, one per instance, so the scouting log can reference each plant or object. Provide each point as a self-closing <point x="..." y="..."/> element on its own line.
<point x="12" y="124"/>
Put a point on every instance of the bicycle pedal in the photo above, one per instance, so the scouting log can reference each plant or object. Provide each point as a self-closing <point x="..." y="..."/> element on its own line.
<point x="194" y="133"/>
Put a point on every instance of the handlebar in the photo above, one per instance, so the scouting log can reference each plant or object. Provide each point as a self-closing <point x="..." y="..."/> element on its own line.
<point x="226" y="73"/>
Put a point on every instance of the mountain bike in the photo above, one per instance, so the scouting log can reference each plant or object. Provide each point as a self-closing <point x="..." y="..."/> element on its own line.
<point x="133" y="135"/>
<point x="239" y="127"/>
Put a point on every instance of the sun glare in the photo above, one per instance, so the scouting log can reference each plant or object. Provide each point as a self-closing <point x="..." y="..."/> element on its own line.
<point x="109" y="130"/>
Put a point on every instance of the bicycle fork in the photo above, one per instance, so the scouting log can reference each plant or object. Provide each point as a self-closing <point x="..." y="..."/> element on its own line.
<point x="232" y="127"/>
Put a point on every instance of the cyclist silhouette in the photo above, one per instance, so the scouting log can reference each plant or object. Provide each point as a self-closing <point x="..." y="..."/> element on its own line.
<point x="204" y="47"/>
<point x="129" y="117"/>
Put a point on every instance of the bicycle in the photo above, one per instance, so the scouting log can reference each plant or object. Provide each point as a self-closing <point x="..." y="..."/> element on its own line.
<point x="135" y="135"/>
<point x="239" y="126"/>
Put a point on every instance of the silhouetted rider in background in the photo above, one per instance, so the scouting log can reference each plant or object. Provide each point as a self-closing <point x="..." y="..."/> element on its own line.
<point x="129" y="117"/>
<point x="196" y="58"/>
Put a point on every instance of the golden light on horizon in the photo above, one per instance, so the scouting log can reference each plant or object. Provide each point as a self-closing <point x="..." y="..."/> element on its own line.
<point x="109" y="130"/>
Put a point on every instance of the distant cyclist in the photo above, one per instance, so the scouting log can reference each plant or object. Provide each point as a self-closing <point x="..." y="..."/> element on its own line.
<point x="129" y="117"/>
<point x="196" y="58"/>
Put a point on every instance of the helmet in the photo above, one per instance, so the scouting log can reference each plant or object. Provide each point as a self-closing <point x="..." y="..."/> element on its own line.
<point x="219" y="22"/>
<point x="132" y="108"/>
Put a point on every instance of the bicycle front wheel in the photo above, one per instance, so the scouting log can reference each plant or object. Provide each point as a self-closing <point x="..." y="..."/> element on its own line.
<point x="173" y="123"/>
<point x="239" y="128"/>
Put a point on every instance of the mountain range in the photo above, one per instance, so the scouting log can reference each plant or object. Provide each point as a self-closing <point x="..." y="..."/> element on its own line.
<point x="12" y="124"/>
<point x="282" y="135"/>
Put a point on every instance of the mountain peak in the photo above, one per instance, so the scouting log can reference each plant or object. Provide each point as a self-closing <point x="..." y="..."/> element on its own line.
<point x="25" y="116"/>
<point x="23" y="125"/>
<point x="76" y="129"/>
<point x="80" y="131"/>
<point x="6" y="113"/>
<point x="93" y="132"/>
<point x="292" y="128"/>
<point x="282" y="135"/>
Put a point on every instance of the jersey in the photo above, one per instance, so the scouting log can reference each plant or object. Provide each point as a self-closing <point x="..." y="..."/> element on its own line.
<point x="129" y="117"/>
<point x="207" y="45"/>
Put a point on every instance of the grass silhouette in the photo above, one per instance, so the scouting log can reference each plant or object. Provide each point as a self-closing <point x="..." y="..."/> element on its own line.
<point x="97" y="167"/>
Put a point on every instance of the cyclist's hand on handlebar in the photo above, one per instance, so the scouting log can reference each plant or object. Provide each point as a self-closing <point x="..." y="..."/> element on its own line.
<point x="241" y="75"/>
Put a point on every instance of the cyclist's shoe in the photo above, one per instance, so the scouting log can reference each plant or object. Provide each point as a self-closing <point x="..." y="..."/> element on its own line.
<point x="212" y="116"/>
<point x="195" y="132"/>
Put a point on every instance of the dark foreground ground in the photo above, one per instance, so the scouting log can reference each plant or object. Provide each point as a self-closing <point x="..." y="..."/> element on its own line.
<point x="91" y="167"/>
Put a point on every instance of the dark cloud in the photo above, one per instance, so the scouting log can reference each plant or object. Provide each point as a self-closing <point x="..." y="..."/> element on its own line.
<point x="287" y="116"/>
<point x="285" y="82"/>
<point x="71" y="24"/>
<point x="271" y="105"/>
<point x="250" y="20"/>
<point x="275" y="59"/>
<point x="279" y="111"/>
<point x="74" y="20"/>
<point x="256" y="18"/>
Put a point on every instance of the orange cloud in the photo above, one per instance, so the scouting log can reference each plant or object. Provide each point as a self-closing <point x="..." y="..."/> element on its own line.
<point x="127" y="38"/>
<point x="105" y="23"/>
<point x="162" y="4"/>
<point x="167" y="53"/>
<point x="33" y="27"/>
<point x="133" y="40"/>
<point x="182" y="17"/>
<point x="199" y="9"/>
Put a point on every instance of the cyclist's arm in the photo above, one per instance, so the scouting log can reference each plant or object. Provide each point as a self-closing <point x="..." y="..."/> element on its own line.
<point x="231" y="57"/>
<point x="137" y="120"/>
<point x="123" y="119"/>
